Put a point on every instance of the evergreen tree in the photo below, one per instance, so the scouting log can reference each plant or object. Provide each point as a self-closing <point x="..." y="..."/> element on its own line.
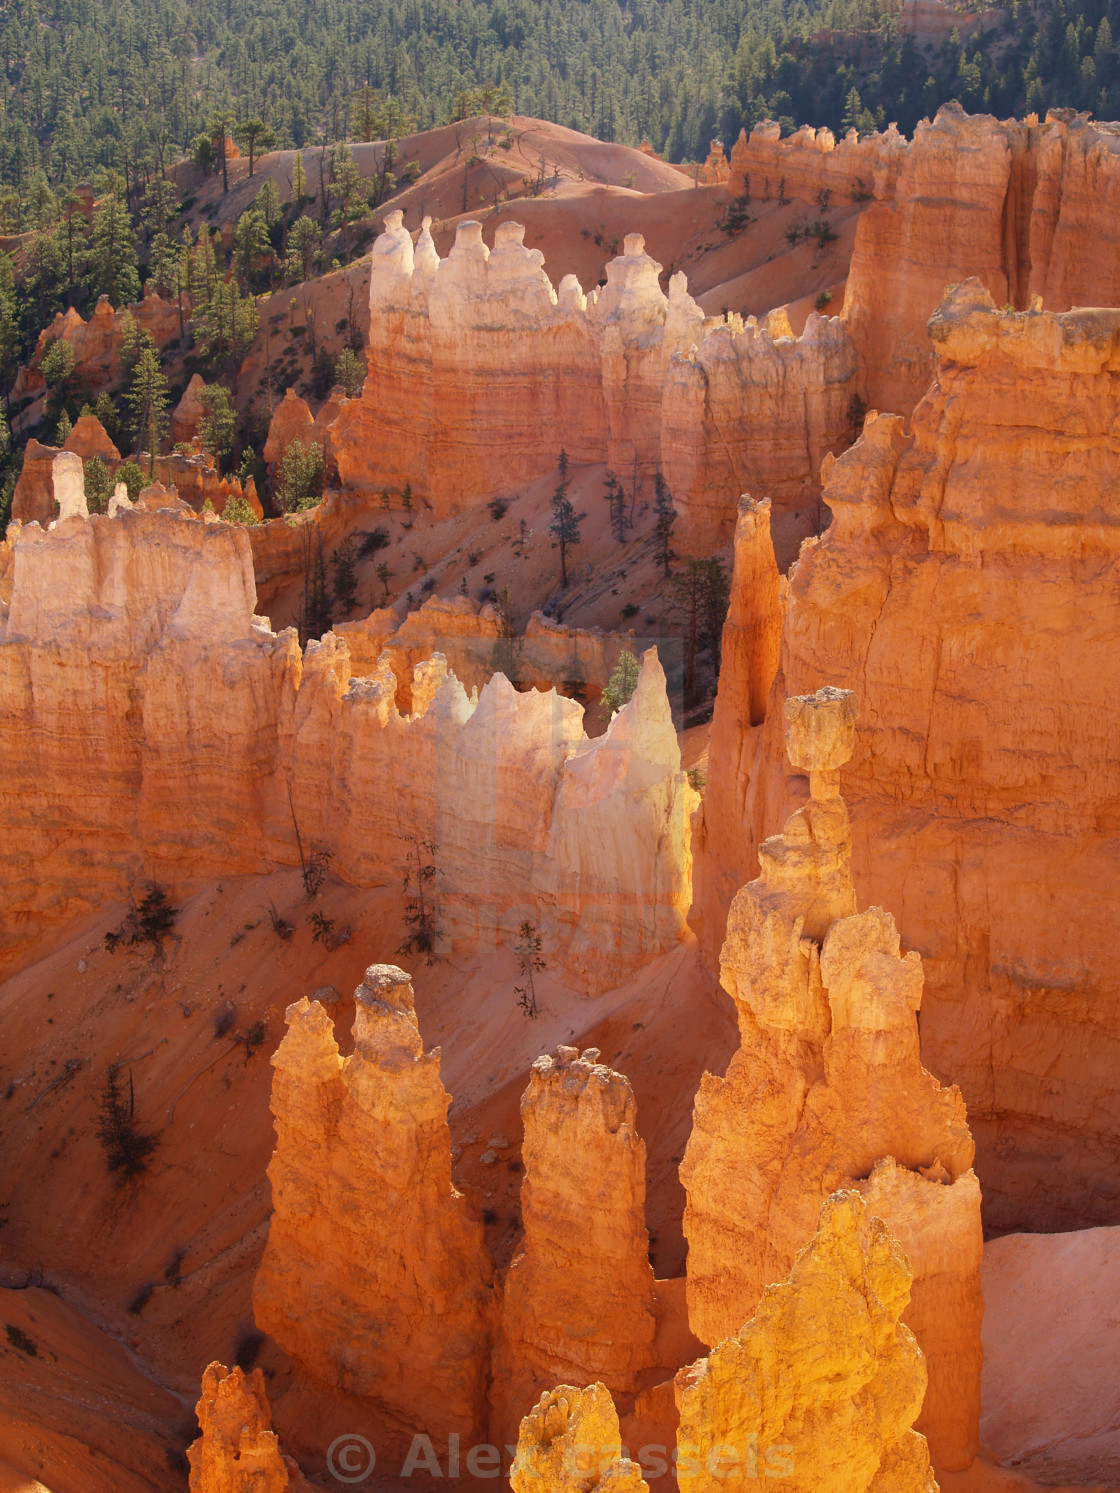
<point x="565" y="521"/>
<point x="98" y="485"/>
<point x="616" y="500"/>
<point x="256" y="137"/>
<point x="665" y="516"/>
<point x="112" y="258"/>
<point x="299" y="482"/>
<point x="623" y="681"/>
<point x="345" y="579"/>
<point x="147" y="399"/>
<point x="349" y="371"/>
<point x="219" y="420"/>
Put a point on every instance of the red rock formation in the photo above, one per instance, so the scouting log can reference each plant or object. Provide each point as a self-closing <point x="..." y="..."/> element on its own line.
<point x="187" y="415"/>
<point x="810" y="161"/>
<point x="749" y="661"/>
<point x="752" y="412"/>
<point x="466" y="634"/>
<point x="715" y="170"/>
<point x="578" y="1300"/>
<point x="828" y="1090"/>
<point x="965" y="582"/>
<point x="237" y="1450"/>
<point x="821" y="1388"/>
<point x="375" y="1278"/>
<point x="97" y="343"/>
<point x="291" y="420"/>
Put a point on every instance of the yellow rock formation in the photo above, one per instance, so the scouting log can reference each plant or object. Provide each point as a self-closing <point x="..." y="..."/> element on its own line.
<point x="820" y="1389"/>
<point x="964" y="582"/>
<point x="570" y="1443"/>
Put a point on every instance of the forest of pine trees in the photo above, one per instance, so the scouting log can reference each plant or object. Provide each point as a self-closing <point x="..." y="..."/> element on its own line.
<point x="87" y="88"/>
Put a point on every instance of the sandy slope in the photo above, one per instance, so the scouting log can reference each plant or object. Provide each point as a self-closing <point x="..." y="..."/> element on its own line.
<point x="155" y="1275"/>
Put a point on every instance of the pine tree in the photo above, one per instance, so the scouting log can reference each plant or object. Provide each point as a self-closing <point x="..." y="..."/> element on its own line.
<point x="218" y="422"/>
<point x="112" y="259"/>
<point x="565" y="521"/>
<point x="345" y="579"/>
<point x="623" y="681"/>
<point x="147" y="398"/>
<point x="665" y="516"/>
<point x="616" y="499"/>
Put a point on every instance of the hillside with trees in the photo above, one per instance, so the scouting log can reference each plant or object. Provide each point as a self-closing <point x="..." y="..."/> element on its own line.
<point x="89" y="88"/>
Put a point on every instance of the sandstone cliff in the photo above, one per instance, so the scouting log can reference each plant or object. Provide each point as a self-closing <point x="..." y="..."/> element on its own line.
<point x="375" y="1278"/>
<point x="967" y="584"/>
<point x="458" y="401"/>
<point x="237" y="1450"/>
<point x="153" y="726"/>
<point x="1027" y="208"/>
<point x="821" y="1387"/>
<point x="827" y="1091"/>
<point x="578" y="1301"/>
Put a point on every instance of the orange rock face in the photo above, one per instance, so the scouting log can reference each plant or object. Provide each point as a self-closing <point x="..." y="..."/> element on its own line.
<point x="456" y="405"/>
<point x="374" y="1278"/>
<point x="97" y="343"/>
<point x="578" y="1301"/>
<point x="1028" y="209"/>
<point x="237" y="1450"/>
<point x="187" y="415"/>
<point x="821" y="1387"/>
<point x="827" y="1091"/>
<point x="964" y="583"/>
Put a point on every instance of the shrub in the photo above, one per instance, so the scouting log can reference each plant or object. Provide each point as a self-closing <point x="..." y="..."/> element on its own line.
<point x="239" y="511"/>
<point x="623" y="681"/>
<point x="127" y="1149"/>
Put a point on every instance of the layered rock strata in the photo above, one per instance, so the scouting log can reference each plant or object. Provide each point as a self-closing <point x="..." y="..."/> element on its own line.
<point x="578" y="1301"/>
<point x="237" y="1450"/>
<point x="481" y="371"/>
<point x="968" y="582"/>
<point x="820" y="1389"/>
<point x="826" y="1091"/>
<point x="152" y="728"/>
<point x="374" y="1278"/>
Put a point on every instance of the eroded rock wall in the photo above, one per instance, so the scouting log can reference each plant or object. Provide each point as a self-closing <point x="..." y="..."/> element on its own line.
<point x="968" y="582"/>
<point x="153" y="728"/>
<point x="481" y="371"/>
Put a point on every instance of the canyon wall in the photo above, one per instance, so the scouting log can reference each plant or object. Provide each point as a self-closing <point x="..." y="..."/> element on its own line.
<point x="1029" y="209"/>
<point x="153" y="728"/>
<point x="375" y="1277"/>
<point x="969" y="585"/>
<point x="827" y="1090"/>
<point x="570" y="1442"/>
<point x="480" y="372"/>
